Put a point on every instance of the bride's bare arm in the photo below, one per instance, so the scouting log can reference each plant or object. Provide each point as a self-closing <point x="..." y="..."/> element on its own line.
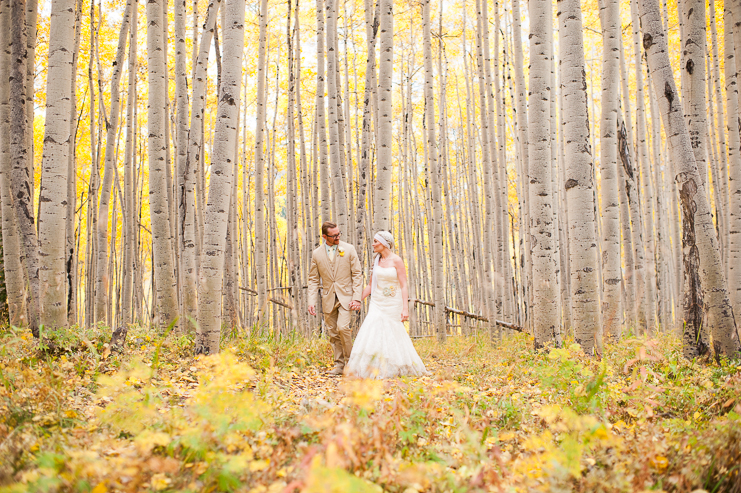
<point x="367" y="290"/>
<point x="401" y="272"/>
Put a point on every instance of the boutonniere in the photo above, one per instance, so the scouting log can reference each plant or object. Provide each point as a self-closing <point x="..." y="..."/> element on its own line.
<point x="341" y="252"/>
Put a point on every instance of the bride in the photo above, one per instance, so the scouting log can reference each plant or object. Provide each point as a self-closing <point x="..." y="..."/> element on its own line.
<point x="383" y="348"/>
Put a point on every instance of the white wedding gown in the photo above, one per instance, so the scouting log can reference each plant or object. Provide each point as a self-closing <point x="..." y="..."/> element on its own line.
<point x="383" y="348"/>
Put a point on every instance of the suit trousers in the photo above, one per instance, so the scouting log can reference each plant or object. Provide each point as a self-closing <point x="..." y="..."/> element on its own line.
<point x="339" y="332"/>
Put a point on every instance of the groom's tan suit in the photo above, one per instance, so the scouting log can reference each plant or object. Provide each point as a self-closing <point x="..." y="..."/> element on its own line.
<point x="341" y="282"/>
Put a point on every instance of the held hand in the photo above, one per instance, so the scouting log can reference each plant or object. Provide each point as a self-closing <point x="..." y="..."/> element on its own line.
<point x="404" y="315"/>
<point x="312" y="311"/>
<point x="355" y="305"/>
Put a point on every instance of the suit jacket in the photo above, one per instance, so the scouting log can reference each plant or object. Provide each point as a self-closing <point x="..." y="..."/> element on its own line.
<point x="342" y="278"/>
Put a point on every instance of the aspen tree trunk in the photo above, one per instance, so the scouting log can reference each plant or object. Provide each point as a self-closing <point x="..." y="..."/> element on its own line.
<point x="159" y="210"/>
<point x="734" y="160"/>
<point x="612" y="281"/>
<point x="130" y="213"/>
<point x="492" y="192"/>
<point x="579" y="181"/>
<point x="220" y="195"/>
<point x="32" y="7"/>
<point x="703" y="268"/>
<point x="719" y="129"/>
<point x="489" y="294"/>
<point x="54" y="176"/>
<point x="21" y="180"/>
<point x="13" y="268"/>
<point x="324" y="177"/>
<point x="503" y="202"/>
<point x="524" y="150"/>
<point x="345" y="113"/>
<point x="384" y="169"/>
<point x="261" y="240"/>
<point x="635" y="256"/>
<point x="629" y="205"/>
<point x="436" y="241"/>
<point x="693" y="80"/>
<point x="185" y="203"/>
<point x="541" y="228"/>
<point x="646" y="291"/>
<point x="71" y="252"/>
<point x="339" y="195"/>
<point x="292" y="242"/>
<point x="111" y="150"/>
<point x="483" y="285"/>
<point x="371" y="32"/>
<point x="189" y="172"/>
<point x="308" y="216"/>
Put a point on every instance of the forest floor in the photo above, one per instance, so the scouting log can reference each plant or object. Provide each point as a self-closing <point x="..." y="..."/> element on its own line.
<point x="265" y="416"/>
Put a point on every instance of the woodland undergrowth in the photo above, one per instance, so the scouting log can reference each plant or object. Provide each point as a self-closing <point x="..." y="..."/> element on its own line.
<point x="265" y="416"/>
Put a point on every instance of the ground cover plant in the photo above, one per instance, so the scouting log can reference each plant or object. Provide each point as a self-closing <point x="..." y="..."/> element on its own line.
<point x="264" y="416"/>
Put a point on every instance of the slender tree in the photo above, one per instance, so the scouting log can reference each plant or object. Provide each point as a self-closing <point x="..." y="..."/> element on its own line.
<point x="339" y="195"/>
<point x="384" y="169"/>
<point x="130" y="213"/>
<point x="12" y="265"/>
<point x="610" y="203"/>
<point x="579" y="180"/>
<point x="540" y="195"/>
<point x="159" y="210"/>
<point x="261" y="240"/>
<point x="433" y="165"/>
<point x="111" y="152"/>
<point x="54" y="176"/>
<point x="21" y="180"/>
<point x="222" y="174"/>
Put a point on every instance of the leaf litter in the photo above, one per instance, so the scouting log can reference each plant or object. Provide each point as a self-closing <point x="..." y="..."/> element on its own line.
<point x="265" y="416"/>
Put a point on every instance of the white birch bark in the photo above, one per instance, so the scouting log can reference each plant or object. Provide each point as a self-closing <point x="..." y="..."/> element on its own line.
<point x="734" y="160"/>
<point x="694" y="85"/>
<point x="610" y="203"/>
<point x="111" y="151"/>
<point x="703" y="267"/>
<point x="185" y="203"/>
<point x="436" y="242"/>
<point x="723" y="190"/>
<point x="579" y="181"/>
<point x="21" y="180"/>
<point x="646" y="291"/>
<point x="261" y="240"/>
<point x="339" y="195"/>
<point x="70" y="246"/>
<point x="54" y="164"/>
<point x="364" y="163"/>
<point x="384" y="163"/>
<point x="189" y="172"/>
<point x="14" y="282"/>
<point x="159" y="210"/>
<point x="321" y="125"/>
<point x="489" y="295"/>
<point x="541" y="228"/>
<point x="220" y="188"/>
<point x="130" y="212"/>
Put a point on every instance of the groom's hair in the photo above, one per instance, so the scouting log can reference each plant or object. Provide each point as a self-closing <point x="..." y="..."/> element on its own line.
<point x="327" y="226"/>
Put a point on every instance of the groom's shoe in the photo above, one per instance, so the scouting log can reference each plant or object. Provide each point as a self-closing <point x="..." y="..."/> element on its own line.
<point x="337" y="370"/>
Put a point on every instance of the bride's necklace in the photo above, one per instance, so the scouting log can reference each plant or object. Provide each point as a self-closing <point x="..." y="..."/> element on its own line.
<point x="383" y="259"/>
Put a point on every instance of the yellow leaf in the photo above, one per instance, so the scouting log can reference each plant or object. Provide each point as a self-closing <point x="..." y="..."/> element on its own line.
<point x="259" y="465"/>
<point x="100" y="488"/>
<point x="147" y="440"/>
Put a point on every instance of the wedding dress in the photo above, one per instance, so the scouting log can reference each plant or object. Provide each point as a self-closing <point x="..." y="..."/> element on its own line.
<point x="383" y="348"/>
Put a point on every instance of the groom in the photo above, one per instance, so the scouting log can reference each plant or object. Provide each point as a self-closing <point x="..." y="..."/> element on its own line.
<point x="336" y="263"/>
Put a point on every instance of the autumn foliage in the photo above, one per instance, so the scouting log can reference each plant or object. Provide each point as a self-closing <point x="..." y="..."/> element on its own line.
<point x="263" y="416"/>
